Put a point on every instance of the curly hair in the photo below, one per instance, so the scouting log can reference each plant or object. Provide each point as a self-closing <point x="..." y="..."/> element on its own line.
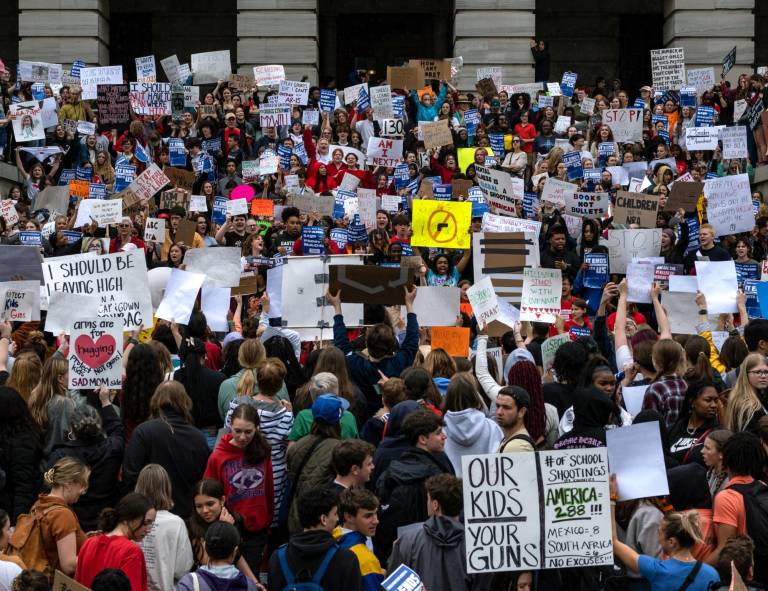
<point x="86" y="425"/>
<point x="525" y="375"/>
<point x="143" y="374"/>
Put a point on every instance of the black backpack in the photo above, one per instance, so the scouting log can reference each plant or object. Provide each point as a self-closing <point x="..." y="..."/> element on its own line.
<point x="755" y="495"/>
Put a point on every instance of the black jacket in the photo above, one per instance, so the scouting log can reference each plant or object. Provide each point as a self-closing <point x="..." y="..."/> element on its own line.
<point x="716" y="253"/>
<point x="305" y="552"/>
<point x="402" y="494"/>
<point x="104" y="459"/>
<point x="541" y="60"/>
<point x="179" y="447"/>
<point x="20" y="460"/>
<point x="204" y="394"/>
<point x="570" y="258"/>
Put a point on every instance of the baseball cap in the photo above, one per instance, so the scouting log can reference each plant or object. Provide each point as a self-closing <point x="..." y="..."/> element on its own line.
<point x="328" y="408"/>
<point x="648" y="88"/>
<point x="521" y="396"/>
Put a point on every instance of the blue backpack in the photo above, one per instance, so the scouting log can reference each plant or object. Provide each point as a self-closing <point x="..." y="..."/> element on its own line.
<point x="290" y="578"/>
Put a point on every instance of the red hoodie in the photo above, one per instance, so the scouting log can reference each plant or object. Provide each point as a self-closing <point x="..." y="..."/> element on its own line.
<point x="249" y="489"/>
<point x="100" y="552"/>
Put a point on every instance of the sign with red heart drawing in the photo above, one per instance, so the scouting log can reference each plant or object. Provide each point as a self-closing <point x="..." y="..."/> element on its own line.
<point x="96" y="353"/>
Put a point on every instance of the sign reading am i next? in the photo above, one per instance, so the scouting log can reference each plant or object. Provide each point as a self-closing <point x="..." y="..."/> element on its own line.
<point x="528" y="511"/>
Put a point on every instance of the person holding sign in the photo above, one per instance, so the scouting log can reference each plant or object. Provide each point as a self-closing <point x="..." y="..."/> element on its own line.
<point x="678" y="533"/>
<point x="428" y="107"/>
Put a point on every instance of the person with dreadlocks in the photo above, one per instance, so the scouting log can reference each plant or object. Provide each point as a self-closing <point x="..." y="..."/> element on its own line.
<point x="541" y="419"/>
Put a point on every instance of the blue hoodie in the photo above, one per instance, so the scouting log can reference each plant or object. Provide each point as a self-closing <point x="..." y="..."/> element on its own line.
<point x="425" y="113"/>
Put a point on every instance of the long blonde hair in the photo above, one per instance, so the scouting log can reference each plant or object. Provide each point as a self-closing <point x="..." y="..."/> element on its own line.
<point x="67" y="470"/>
<point x="668" y="358"/>
<point x="683" y="526"/>
<point x="743" y="402"/>
<point x="25" y="375"/>
<point x="250" y="356"/>
<point x="49" y="386"/>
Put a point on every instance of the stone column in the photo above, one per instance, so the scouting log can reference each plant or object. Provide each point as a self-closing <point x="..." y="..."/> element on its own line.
<point x="708" y="30"/>
<point x="60" y="31"/>
<point x="494" y="33"/>
<point x="278" y="32"/>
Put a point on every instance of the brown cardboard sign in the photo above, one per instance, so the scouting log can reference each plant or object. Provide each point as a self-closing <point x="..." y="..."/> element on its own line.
<point x="180" y="178"/>
<point x="460" y="188"/>
<point x="636" y="208"/>
<point x="405" y="77"/>
<point x="685" y="195"/>
<point x="62" y="582"/>
<point x="175" y="198"/>
<point x="433" y="69"/>
<point x="486" y="87"/>
<point x="368" y="284"/>
<point x="436" y="133"/>
<point x="320" y="204"/>
<point x="185" y="232"/>
<point x="248" y="284"/>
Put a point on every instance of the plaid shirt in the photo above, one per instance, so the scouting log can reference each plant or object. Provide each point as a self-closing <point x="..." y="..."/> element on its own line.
<point x="666" y="396"/>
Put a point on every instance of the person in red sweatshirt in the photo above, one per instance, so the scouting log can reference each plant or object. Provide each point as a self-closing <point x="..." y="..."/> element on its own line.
<point x="579" y="324"/>
<point x="242" y="462"/>
<point x="126" y="524"/>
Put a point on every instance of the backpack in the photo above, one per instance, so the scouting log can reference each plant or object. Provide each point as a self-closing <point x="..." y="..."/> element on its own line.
<point x="755" y="495"/>
<point x="28" y="544"/>
<point x="314" y="583"/>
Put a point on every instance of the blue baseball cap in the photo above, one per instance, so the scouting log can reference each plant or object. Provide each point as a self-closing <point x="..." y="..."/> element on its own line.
<point x="328" y="408"/>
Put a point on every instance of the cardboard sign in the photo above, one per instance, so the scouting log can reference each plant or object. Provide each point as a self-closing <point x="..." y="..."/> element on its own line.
<point x="454" y="340"/>
<point x="502" y="497"/>
<point x="242" y="82"/>
<point x="185" y="232"/>
<point x="180" y="178"/>
<point x="119" y="279"/>
<point x="542" y="289"/>
<point x="636" y="208"/>
<point x="626" y="124"/>
<point x="685" y="195"/>
<point x="210" y="67"/>
<point x="405" y="78"/>
<point x="729" y="204"/>
<point x="668" y="68"/>
<point x="62" y="582"/>
<point x="503" y="256"/>
<point x="248" y="284"/>
<point x="441" y="224"/>
<point x="95" y="354"/>
<point x="311" y="204"/>
<point x="114" y="105"/>
<point x="433" y="69"/>
<point x="436" y="134"/>
<point x="486" y="87"/>
<point x="175" y="198"/>
<point x="154" y="230"/>
<point x="555" y="191"/>
<point x="369" y="284"/>
<point x="625" y="245"/>
<point x="386" y="152"/>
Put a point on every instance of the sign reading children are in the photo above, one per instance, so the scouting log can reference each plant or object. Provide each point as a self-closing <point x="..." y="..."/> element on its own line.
<point x="95" y="353"/>
<point x="505" y="530"/>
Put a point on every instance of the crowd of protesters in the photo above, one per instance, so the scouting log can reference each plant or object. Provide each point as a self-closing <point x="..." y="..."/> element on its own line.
<point x="253" y="459"/>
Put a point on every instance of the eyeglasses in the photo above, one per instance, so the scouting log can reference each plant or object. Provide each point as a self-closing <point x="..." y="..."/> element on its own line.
<point x="762" y="373"/>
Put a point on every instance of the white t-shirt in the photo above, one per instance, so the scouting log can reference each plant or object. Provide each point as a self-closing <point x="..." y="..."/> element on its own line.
<point x="623" y="357"/>
<point x="8" y="572"/>
<point x="167" y="551"/>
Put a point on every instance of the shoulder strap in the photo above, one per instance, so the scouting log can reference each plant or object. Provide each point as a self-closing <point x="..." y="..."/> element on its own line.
<point x="287" y="572"/>
<point x="195" y="582"/>
<point x="691" y="576"/>
<point x="522" y="436"/>
<point x="306" y="457"/>
<point x="699" y="441"/>
<point x="320" y="572"/>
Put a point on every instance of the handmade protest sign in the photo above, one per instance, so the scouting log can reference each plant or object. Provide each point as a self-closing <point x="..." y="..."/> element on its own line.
<point x="106" y="211"/>
<point x="171" y="67"/>
<point x="540" y="301"/>
<point x="486" y="87"/>
<point x="485" y="303"/>
<point x="369" y="284"/>
<point x="555" y="191"/>
<point x="384" y="152"/>
<point x="502" y="191"/>
<point x="454" y="340"/>
<point x="685" y="195"/>
<point x="39" y="72"/>
<point x="590" y="205"/>
<point x="268" y="75"/>
<point x="626" y="124"/>
<point x="119" y="279"/>
<point x="90" y="78"/>
<point x="381" y="101"/>
<point x="407" y="77"/>
<point x="220" y="265"/>
<point x="550" y="346"/>
<point x="625" y="245"/>
<point x="436" y="305"/>
<point x="441" y="224"/>
<point x="96" y="353"/>
<point x="502" y="256"/>
<point x="636" y="457"/>
<point x="436" y="134"/>
<point x="668" y="68"/>
<point x="27" y="121"/>
<point x="294" y="93"/>
<point x="8" y="212"/>
<point x="734" y="142"/>
<point x="729" y="61"/>
<point x="154" y="230"/>
<point x="210" y="67"/>
<point x="114" y="104"/>
<point x="145" y="69"/>
<point x="719" y="281"/>
<point x="701" y="138"/>
<point x="180" y="178"/>
<point x="274" y="115"/>
<point x="433" y="69"/>
<point x="149" y="182"/>
<point x="150" y="98"/>
<point x="180" y="295"/>
<point x="636" y="208"/>
<point x="505" y="530"/>
<point x="729" y="204"/>
<point x="702" y="78"/>
<point x="20" y="263"/>
<point x="20" y="301"/>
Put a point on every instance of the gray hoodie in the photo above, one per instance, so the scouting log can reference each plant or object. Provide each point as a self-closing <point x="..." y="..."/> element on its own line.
<point x="469" y="432"/>
<point x="436" y="552"/>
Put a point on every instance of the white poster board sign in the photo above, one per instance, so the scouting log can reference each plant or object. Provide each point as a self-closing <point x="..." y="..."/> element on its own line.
<point x="636" y="457"/>
<point x="668" y="68"/>
<point x="626" y="124"/>
<point x="625" y="245"/>
<point x="96" y="354"/>
<point x="729" y="204"/>
<point x="734" y="142"/>
<point x="90" y="78"/>
<point x="542" y="289"/>
<point x="210" y="67"/>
